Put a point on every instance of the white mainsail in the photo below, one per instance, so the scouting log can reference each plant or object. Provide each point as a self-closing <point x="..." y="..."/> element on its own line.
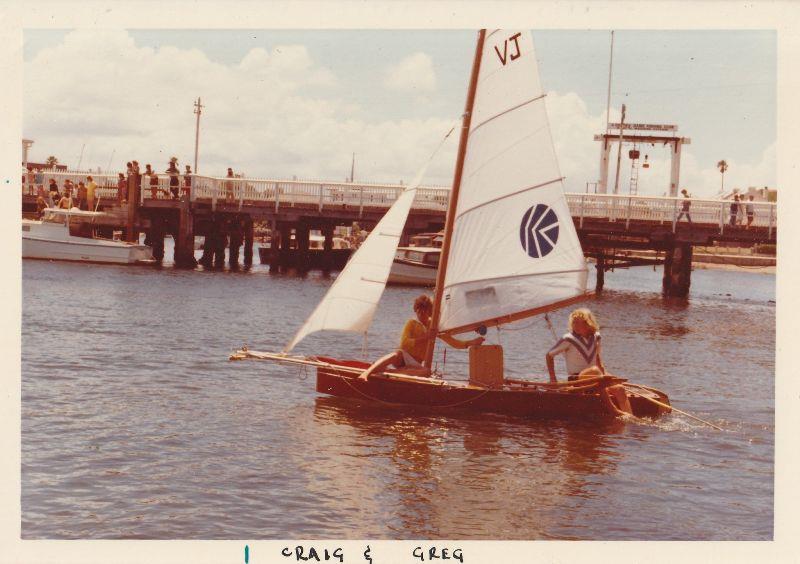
<point x="514" y="249"/>
<point x="353" y="298"/>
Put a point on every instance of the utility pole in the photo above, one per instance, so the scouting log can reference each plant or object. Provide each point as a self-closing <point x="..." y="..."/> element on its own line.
<point x="619" y="154"/>
<point x="198" y="109"/>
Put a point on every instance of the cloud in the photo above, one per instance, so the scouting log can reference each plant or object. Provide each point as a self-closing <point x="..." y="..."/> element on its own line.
<point x="414" y="74"/>
<point x="274" y="114"/>
<point x="280" y="113"/>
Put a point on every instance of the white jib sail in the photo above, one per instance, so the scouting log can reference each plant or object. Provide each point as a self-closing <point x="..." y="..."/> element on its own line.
<point x="353" y="298"/>
<point x="514" y="247"/>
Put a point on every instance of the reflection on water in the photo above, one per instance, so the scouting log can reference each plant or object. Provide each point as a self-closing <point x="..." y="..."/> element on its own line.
<point x="433" y="464"/>
<point x="135" y="425"/>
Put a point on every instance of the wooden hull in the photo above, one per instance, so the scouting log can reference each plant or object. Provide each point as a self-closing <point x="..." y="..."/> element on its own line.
<point x="512" y="399"/>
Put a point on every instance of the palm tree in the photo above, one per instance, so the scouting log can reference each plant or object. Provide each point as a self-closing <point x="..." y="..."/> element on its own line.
<point x="722" y="166"/>
<point x="51" y="162"/>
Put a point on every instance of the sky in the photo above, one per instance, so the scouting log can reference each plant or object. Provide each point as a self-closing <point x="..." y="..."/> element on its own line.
<point x="283" y="103"/>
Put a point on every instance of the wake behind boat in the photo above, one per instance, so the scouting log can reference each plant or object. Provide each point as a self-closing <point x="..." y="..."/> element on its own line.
<point x="70" y="235"/>
<point x="510" y="251"/>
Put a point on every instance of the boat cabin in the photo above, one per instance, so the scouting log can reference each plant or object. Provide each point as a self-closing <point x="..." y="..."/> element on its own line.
<point x="78" y="222"/>
<point x="424" y="255"/>
<point x="427" y="240"/>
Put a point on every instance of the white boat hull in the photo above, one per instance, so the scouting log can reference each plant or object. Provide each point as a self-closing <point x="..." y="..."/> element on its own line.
<point x="90" y="250"/>
<point x="51" y="239"/>
<point x="409" y="273"/>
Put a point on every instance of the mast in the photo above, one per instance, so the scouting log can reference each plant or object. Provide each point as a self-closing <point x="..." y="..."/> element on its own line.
<point x="451" y="208"/>
<point x="619" y="153"/>
<point x="608" y="93"/>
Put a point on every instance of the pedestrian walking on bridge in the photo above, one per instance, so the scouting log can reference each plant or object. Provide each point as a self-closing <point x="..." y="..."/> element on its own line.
<point x="685" y="207"/>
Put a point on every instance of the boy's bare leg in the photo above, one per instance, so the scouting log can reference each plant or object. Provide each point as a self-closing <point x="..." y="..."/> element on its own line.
<point x="392" y="358"/>
<point x="414" y="371"/>
<point x="621" y="397"/>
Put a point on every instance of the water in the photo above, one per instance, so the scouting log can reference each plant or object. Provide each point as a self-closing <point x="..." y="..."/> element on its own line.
<point x="135" y="424"/>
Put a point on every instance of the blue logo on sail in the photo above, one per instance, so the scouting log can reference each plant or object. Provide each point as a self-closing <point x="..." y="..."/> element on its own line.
<point x="538" y="231"/>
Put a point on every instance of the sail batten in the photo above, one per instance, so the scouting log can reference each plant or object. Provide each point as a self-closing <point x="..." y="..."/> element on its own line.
<point x="526" y="189"/>
<point x="504" y="112"/>
<point x="514" y="251"/>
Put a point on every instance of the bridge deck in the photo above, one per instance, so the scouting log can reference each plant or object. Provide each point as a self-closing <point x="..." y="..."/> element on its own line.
<point x="599" y="215"/>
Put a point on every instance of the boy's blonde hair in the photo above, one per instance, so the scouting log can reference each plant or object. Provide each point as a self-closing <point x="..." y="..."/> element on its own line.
<point x="587" y="316"/>
<point x="423" y="302"/>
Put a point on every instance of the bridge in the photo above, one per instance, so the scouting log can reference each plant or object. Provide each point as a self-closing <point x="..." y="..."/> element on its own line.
<point x="224" y="210"/>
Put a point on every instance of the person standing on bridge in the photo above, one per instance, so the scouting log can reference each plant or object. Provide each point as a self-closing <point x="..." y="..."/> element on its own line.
<point x="82" y="196"/>
<point x="174" y="181"/>
<point x="91" y="188"/>
<point x="153" y="181"/>
<point x="137" y="176"/>
<point x="187" y="182"/>
<point x="751" y="212"/>
<point x="685" y="207"/>
<point x="54" y="196"/>
<point x="229" y="186"/>
<point x="122" y="189"/>
<point x="734" y="209"/>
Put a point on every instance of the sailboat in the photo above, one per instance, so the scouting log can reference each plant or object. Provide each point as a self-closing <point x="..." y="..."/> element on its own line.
<point x="510" y="251"/>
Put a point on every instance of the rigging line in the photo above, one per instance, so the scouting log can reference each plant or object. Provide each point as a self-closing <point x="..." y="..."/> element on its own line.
<point x="435" y="151"/>
<point x="504" y="196"/>
<point x="550" y="325"/>
<point x="504" y="112"/>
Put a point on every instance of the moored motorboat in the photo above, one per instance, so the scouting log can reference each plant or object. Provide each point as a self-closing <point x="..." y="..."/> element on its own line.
<point x="415" y="266"/>
<point x="70" y="235"/>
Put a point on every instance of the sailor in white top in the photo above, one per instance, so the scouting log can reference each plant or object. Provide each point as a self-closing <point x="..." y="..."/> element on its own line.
<point x="579" y="352"/>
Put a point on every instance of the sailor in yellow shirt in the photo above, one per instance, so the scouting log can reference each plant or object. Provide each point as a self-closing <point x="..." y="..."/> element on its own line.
<point x="413" y="343"/>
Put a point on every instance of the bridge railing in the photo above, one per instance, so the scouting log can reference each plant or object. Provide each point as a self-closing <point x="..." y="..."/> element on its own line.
<point x="324" y="195"/>
<point x="667" y="210"/>
<point x="241" y="192"/>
